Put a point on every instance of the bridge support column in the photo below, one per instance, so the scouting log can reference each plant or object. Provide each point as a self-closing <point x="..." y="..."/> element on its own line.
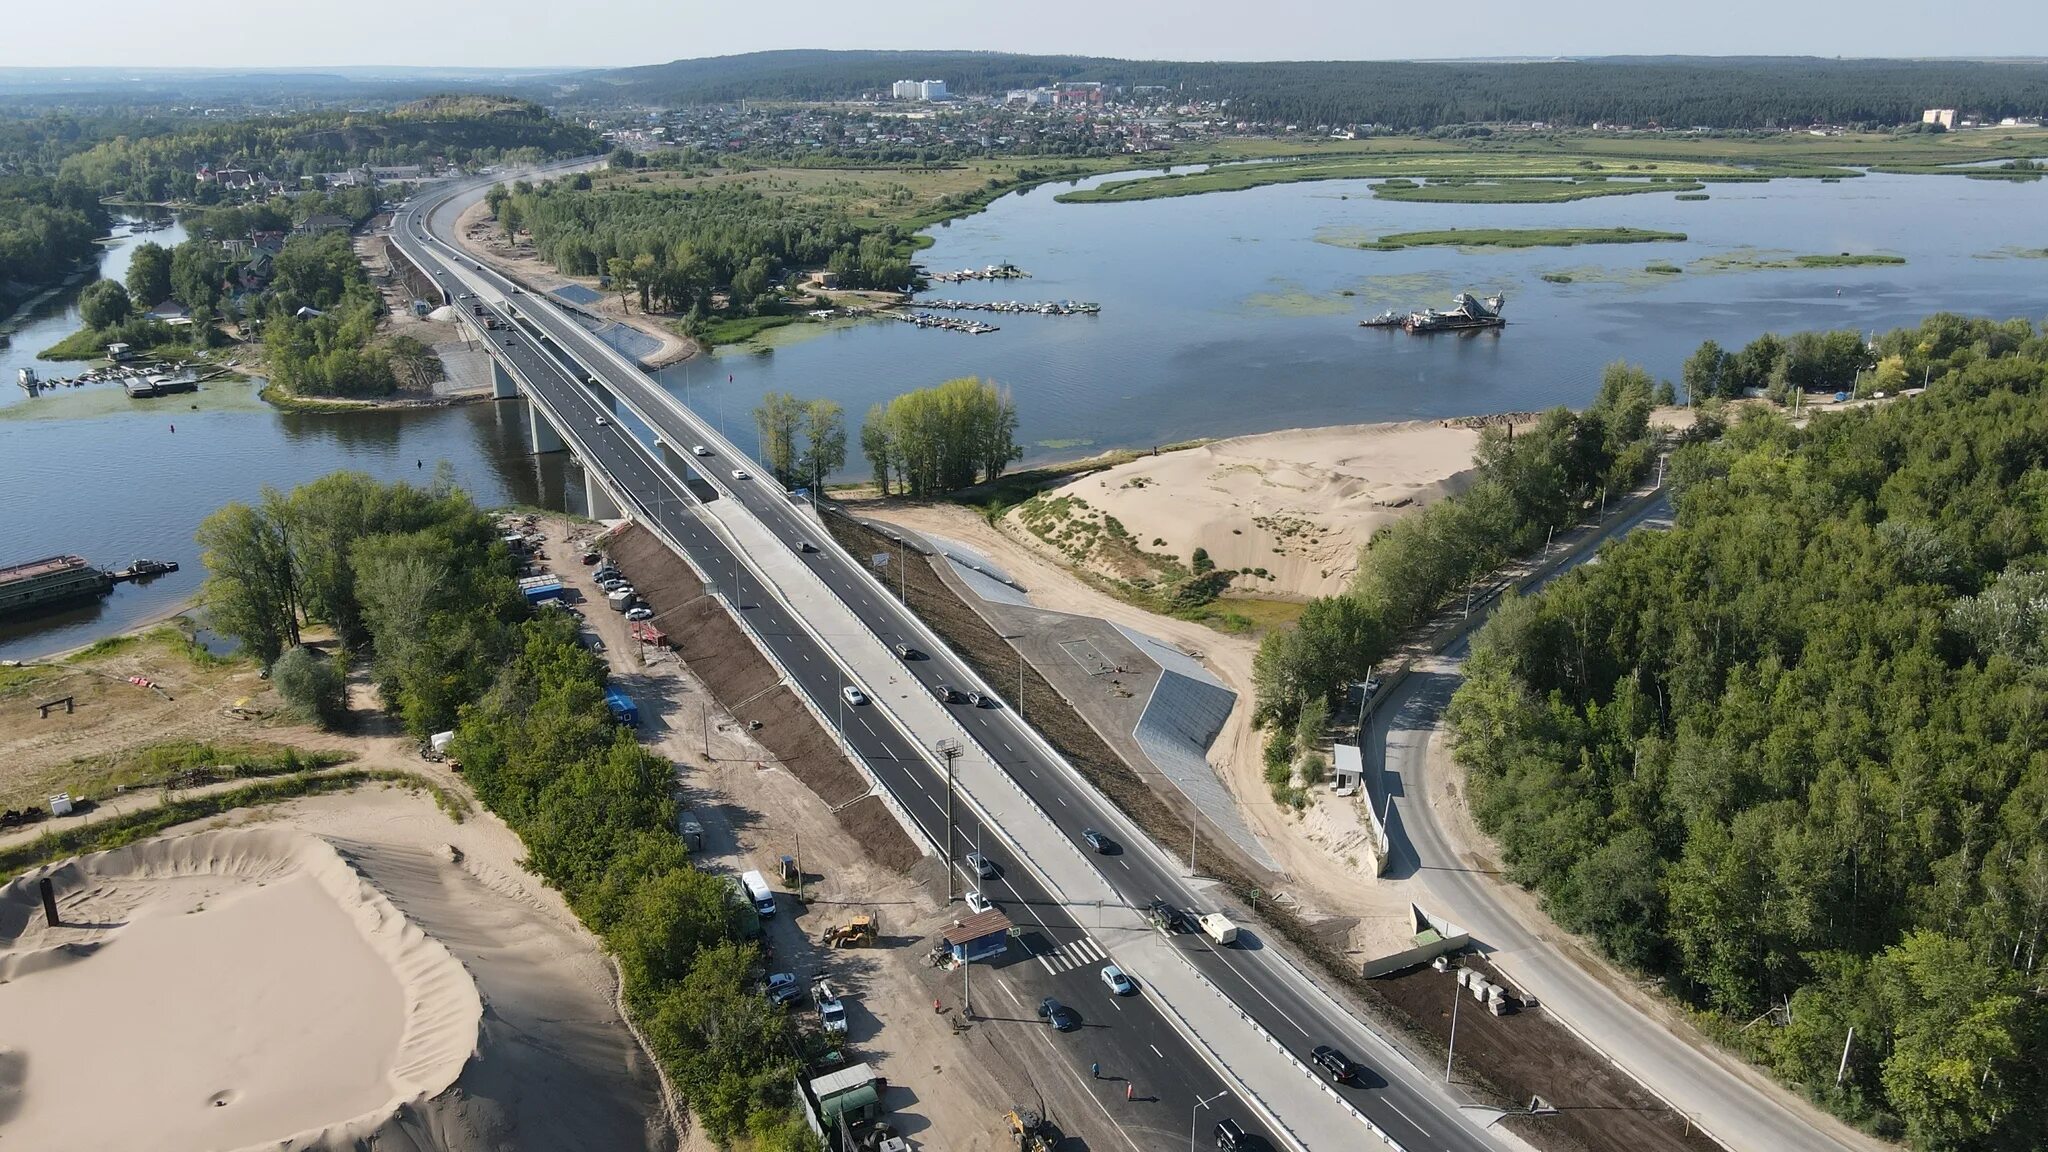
<point x="503" y="386"/>
<point x="597" y="500"/>
<point x="677" y="460"/>
<point x="545" y="438"/>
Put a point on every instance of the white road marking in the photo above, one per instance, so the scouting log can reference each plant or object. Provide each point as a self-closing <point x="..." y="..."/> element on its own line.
<point x="1156" y="1051"/>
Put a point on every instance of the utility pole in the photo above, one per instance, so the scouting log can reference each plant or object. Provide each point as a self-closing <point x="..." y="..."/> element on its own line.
<point x="1453" y="1047"/>
<point x="950" y="749"/>
<point x="966" y="1005"/>
<point x="1843" y="1069"/>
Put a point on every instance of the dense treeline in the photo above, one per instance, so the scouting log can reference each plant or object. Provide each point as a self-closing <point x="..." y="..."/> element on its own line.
<point x="47" y="229"/>
<point x="942" y="439"/>
<point x="678" y="246"/>
<point x="596" y="813"/>
<point x="1789" y="756"/>
<point x="418" y="577"/>
<point x="1754" y="92"/>
<point x="460" y="130"/>
<point x="1529" y="483"/>
<point x="420" y="580"/>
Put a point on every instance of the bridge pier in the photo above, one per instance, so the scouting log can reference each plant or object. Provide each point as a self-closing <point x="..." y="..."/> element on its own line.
<point x="503" y="386"/>
<point x="677" y="460"/>
<point x="598" y="503"/>
<point x="545" y="438"/>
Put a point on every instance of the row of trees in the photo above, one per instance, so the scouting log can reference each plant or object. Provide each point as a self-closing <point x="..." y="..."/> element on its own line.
<point x="801" y="440"/>
<point x="596" y="812"/>
<point x="1788" y="756"/>
<point x="320" y="334"/>
<point x="1528" y="484"/>
<point x="1778" y="366"/>
<point x="942" y="439"/>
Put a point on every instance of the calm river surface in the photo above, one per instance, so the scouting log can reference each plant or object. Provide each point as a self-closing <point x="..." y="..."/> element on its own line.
<point x="1221" y="314"/>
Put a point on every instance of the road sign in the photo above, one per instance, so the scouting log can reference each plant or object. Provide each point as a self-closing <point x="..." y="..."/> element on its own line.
<point x="880" y="560"/>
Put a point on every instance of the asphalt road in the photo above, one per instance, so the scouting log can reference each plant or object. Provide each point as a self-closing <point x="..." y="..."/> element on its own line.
<point x="1255" y="975"/>
<point x="1733" y="1109"/>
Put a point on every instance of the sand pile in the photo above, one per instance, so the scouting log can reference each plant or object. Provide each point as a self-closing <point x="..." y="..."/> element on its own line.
<point x="225" y="990"/>
<point x="1298" y="504"/>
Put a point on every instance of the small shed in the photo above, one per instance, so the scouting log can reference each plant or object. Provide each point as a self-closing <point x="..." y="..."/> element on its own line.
<point x="854" y="1092"/>
<point x="119" y="351"/>
<point x="978" y="937"/>
<point x="1349" y="770"/>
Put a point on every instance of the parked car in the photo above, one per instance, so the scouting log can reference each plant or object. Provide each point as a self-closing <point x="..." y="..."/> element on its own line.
<point x="982" y="865"/>
<point x="1061" y="1017"/>
<point x="854" y="696"/>
<point x="1098" y="841"/>
<point x="977" y="902"/>
<point x="1334" y="1063"/>
<point x="612" y="583"/>
<point x="783" y="988"/>
<point x="592" y="556"/>
<point x="641" y="613"/>
<point x="1119" y="984"/>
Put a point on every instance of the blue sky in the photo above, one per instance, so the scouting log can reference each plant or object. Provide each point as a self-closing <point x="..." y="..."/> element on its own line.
<point x="487" y="33"/>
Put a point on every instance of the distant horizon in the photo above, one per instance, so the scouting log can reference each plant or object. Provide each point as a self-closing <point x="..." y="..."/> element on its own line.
<point x="587" y="37"/>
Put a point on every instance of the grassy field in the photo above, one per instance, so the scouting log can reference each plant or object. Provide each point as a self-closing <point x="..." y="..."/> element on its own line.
<point x="1518" y="238"/>
<point x="1661" y="268"/>
<point x="1521" y="191"/>
<point x="1573" y="156"/>
<point x="910" y="197"/>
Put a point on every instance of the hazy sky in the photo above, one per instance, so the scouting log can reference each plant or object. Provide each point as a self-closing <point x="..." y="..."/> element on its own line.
<point x="486" y="33"/>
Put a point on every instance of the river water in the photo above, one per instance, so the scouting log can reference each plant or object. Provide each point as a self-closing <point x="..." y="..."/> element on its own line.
<point x="1221" y="314"/>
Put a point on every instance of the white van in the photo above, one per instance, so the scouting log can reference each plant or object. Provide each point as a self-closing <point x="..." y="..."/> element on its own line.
<point x="757" y="891"/>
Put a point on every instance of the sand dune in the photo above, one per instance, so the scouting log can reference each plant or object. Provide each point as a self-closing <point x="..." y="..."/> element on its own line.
<point x="1298" y="503"/>
<point x="234" y="989"/>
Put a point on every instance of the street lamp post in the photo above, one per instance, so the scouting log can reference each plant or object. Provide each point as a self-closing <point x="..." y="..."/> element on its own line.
<point x="950" y="749"/>
<point x="1195" y="1113"/>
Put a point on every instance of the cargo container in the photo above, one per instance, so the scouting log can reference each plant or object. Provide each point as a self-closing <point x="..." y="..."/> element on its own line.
<point x="622" y="707"/>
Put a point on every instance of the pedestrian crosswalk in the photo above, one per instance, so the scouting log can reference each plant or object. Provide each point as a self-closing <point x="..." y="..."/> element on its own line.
<point x="1073" y="955"/>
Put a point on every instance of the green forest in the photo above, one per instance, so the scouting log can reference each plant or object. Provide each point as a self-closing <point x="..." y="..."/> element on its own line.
<point x="1791" y="756"/>
<point x="678" y="246"/>
<point x="419" y="582"/>
<point x="1721" y="92"/>
<point x="47" y="229"/>
<point x="941" y="439"/>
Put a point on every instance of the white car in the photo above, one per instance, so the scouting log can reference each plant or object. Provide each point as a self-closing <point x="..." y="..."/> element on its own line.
<point x="782" y="987"/>
<point x="742" y="474"/>
<point x="854" y="696"/>
<point x="640" y="614"/>
<point x="604" y="422"/>
<point x="977" y="902"/>
<point x="699" y="450"/>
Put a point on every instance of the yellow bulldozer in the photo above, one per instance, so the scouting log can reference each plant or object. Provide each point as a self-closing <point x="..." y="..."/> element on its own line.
<point x="1029" y="1130"/>
<point x="858" y="932"/>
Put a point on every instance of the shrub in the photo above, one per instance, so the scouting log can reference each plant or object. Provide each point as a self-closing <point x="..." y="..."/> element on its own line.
<point x="313" y="686"/>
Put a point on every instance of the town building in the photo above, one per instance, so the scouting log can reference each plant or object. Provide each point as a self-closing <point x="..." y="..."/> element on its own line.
<point x="1946" y="117"/>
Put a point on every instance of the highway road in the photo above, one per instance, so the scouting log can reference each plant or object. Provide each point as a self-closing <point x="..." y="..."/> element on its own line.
<point x="1258" y="976"/>
<point x="1736" y="1111"/>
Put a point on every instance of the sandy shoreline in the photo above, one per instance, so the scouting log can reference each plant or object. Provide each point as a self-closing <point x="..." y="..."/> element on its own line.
<point x="1297" y="504"/>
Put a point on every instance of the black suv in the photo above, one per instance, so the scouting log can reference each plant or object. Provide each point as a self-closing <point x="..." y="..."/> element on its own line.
<point x="1335" y="1063"/>
<point x="1230" y="1136"/>
<point x="1058" y="1015"/>
<point x="1169" y="917"/>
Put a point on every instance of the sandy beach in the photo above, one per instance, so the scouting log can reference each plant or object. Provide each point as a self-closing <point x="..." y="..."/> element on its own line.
<point x="1297" y="503"/>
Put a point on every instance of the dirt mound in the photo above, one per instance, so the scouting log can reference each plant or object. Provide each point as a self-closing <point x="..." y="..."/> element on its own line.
<point x="230" y="989"/>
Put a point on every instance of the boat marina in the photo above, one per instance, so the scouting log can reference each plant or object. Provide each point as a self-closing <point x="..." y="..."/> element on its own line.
<point x="1018" y="307"/>
<point x="139" y="381"/>
<point x="950" y="324"/>
<point x="1003" y="271"/>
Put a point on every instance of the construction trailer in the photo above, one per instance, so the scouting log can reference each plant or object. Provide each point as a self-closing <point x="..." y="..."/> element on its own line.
<point x="853" y="1093"/>
<point x="978" y="937"/>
